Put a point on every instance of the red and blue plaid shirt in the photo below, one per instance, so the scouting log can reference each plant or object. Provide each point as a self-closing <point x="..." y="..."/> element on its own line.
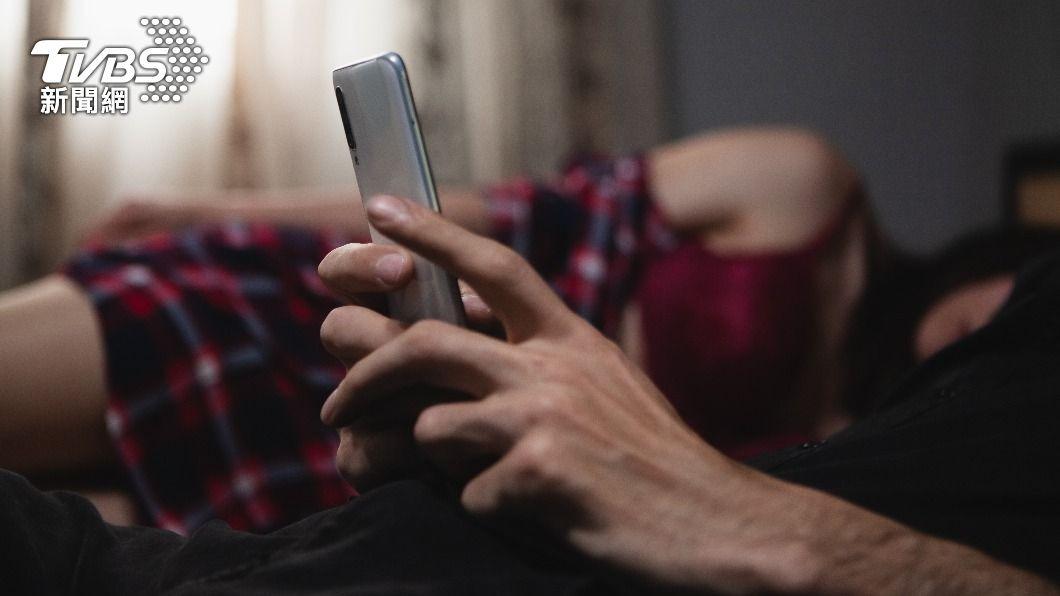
<point x="215" y="369"/>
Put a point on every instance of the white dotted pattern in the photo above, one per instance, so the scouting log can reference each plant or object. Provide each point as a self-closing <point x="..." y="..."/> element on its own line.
<point x="185" y="57"/>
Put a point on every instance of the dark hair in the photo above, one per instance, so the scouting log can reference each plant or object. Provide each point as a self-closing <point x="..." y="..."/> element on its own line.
<point x="878" y="350"/>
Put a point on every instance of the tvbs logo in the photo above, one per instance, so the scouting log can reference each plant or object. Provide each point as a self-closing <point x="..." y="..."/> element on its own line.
<point x="117" y="62"/>
<point x="165" y="70"/>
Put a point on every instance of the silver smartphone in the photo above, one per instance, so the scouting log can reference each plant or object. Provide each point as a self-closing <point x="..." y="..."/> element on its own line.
<point x="389" y="157"/>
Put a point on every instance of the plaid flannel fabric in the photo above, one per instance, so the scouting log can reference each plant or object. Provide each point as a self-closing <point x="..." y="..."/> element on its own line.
<point x="216" y="372"/>
<point x="587" y="234"/>
<point x="215" y="369"/>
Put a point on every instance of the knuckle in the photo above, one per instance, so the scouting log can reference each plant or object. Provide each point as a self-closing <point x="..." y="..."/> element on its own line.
<point x="355" y="471"/>
<point x="349" y="468"/>
<point x="429" y="425"/>
<point x="536" y="463"/>
<point x="611" y="351"/>
<point x="417" y="328"/>
<point x="584" y="335"/>
<point x="348" y="460"/>
<point x="551" y="408"/>
<point x="420" y="222"/>
<point x="584" y="338"/>
<point x="368" y="457"/>
<point x="505" y="264"/>
<point x="423" y="337"/>
<point x="478" y="498"/>
<point x="419" y="217"/>
<point x="332" y="330"/>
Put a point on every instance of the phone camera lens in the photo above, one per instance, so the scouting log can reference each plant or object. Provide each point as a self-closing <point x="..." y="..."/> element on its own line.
<point x="350" y="139"/>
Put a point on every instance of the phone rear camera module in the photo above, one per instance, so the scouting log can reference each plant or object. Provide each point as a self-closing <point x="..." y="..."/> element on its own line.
<point x="351" y="141"/>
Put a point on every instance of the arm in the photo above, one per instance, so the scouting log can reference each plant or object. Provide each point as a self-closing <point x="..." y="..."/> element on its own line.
<point x="751" y="187"/>
<point x="331" y="208"/>
<point x="838" y="548"/>
<point x="314" y="209"/>
<point x="558" y="426"/>
<point x="742" y="188"/>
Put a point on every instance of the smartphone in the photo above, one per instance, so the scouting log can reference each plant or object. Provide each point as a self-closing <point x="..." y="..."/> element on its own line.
<point x="389" y="157"/>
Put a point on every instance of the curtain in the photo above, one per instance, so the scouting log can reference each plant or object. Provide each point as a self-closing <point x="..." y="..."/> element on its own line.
<point x="502" y="86"/>
<point x="13" y="19"/>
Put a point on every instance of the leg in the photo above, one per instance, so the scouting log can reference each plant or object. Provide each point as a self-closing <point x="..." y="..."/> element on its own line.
<point x="52" y="379"/>
<point x="114" y="506"/>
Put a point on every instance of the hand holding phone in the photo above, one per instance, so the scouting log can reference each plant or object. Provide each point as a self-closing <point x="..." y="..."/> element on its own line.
<point x="389" y="157"/>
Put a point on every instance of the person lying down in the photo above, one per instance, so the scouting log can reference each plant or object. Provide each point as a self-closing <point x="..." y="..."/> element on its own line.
<point x="183" y="347"/>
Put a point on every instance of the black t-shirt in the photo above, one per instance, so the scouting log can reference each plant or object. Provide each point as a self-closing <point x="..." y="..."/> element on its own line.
<point x="968" y="446"/>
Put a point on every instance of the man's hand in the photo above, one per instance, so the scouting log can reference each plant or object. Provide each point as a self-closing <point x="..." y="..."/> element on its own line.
<point x="555" y="424"/>
<point x="378" y="445"/>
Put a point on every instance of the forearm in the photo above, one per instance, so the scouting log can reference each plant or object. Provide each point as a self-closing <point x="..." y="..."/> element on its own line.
<point x="844" y="549"/>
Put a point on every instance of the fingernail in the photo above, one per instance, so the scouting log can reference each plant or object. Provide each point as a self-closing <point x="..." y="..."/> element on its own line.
<point x="389" y="268"/>
<point x="387" y="209"/>
<point x="474" y="302"/>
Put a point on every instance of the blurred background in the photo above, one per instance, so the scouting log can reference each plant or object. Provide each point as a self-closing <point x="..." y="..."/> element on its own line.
<point x="951" y="109"/>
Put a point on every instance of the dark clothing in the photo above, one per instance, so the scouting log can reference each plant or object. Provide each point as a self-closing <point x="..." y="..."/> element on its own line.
<point x="968" y="446"/>
<point x="404" y="538"/>
<point x="968" y="449"/>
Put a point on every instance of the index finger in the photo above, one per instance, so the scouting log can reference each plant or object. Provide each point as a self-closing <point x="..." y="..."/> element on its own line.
<point x="524" y="303"/>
